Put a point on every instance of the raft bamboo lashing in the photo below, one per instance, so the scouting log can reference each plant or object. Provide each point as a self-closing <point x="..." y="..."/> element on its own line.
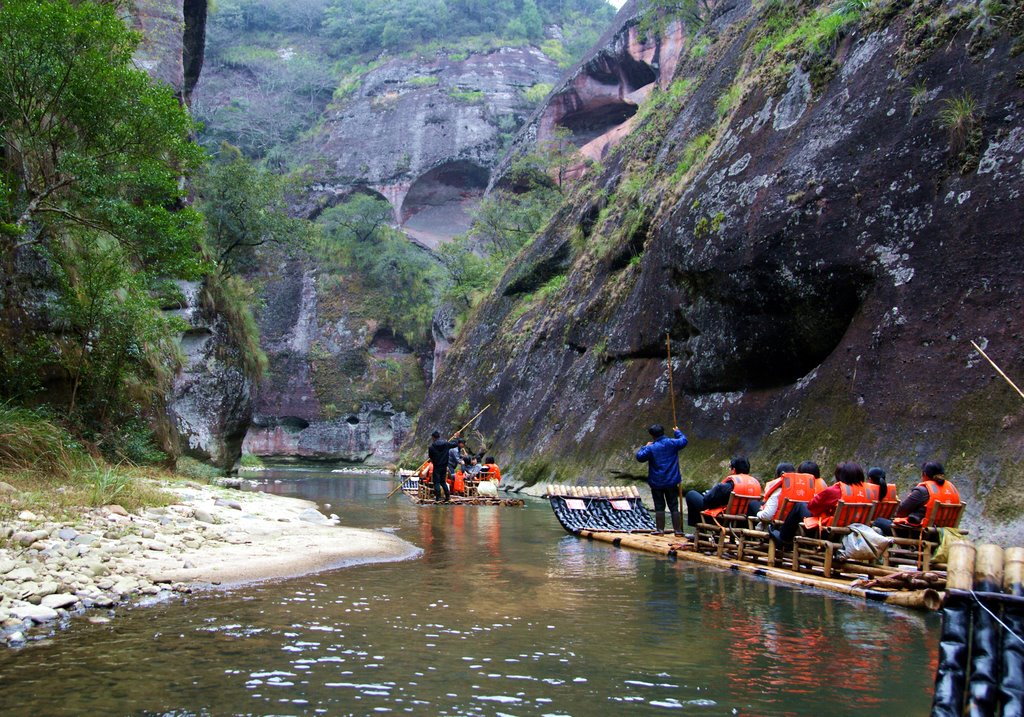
<point x="674" y="547"/>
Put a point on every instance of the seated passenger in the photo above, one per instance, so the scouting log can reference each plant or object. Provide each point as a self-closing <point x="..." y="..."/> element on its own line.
<point x="717" y="498"/>
<point x="913" y="510"/>
<point x="850" y="487"/>
<point x="473" y="468"/>
<point x="886" y="490"/>
<point x="490" y="471"/>
<point x="795" y="485"/>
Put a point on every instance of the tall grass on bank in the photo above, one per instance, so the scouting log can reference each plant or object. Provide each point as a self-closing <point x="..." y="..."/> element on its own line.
<point x="52" y="472"/>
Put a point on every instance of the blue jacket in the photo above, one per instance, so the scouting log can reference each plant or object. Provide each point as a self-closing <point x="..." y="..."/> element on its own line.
<point x="662" y="459"/>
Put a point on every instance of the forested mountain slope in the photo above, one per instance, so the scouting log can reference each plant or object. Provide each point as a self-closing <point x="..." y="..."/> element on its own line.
<point x="820" y="210"/>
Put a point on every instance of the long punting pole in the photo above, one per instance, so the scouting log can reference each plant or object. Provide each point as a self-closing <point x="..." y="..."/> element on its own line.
<point x="1001" y="373"/>
<point x="424" y="463"/>
<point x="675" y="421"/>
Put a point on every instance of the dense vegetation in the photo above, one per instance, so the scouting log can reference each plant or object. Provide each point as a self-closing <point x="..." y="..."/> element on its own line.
<point x="92" y="221"/>
<point x="96" y="233"/>
<point x="272" y="66"/>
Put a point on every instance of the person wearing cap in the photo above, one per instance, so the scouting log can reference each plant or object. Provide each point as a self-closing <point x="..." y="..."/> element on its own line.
<point x="437" y="454"/>
<point x="913" y="510"/>
<point x="662" y="458"/>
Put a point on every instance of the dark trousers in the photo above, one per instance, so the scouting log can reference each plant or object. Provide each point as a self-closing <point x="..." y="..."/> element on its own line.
<point x="792" y="522"/>
<point x="440" y="484"/>
<point x="695" y="504"/>
<point x="666" y="497"/>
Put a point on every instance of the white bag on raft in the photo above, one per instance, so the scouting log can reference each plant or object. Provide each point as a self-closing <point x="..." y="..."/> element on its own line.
<point x="864" y="544"/>
<point x="487" y="488"/>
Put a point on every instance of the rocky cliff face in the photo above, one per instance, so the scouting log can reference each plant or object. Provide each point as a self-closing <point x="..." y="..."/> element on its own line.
<point x="338" y="388"/>
<point x="210" y="406"/>
<point x="819" y="221"/>
<point x="211" y="402"/>
<point x="173" y="40"/>
<point x="424" y="134"/>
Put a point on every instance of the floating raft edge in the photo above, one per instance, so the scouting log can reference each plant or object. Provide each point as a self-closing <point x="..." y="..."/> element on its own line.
<point x="663" y="545"/>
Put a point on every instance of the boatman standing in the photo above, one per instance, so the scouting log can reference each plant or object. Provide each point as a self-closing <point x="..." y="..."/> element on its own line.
<point x="437" y="454"/>
<point x="662" y="458"/>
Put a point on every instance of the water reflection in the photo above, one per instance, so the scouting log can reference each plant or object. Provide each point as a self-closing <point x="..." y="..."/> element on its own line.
<point x="502" y="615"/>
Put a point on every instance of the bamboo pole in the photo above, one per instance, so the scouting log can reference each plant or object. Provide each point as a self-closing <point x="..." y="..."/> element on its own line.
<point x="960" y="567"/>
<point x="988" y="568"/>
<point x="999" y="370"/>
<point x="1013" y="571"/>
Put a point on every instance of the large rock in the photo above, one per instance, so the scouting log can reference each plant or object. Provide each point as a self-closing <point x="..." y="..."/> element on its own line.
<point x="173" y="40"/>
<point x="424" y="133"/>
<point x="820" y="249"/>
<point x="211" y="402"/>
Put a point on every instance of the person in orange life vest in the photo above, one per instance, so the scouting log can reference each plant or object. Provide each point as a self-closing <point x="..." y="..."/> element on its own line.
<point x="913" y="509"/>
<point x="662" y="458"/>
<point x="771" y="490"/>
<point x="718" y="495"/>
<point x="886" y="490"/>
<point x="802" y="483"/>
<point x="490" y="470"/>
<point x="850" y="486"/>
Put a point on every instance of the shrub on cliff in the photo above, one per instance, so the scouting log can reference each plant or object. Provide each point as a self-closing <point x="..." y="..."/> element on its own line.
<point x="92" y="212"/>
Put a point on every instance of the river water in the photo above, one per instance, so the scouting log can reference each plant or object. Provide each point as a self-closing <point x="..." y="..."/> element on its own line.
<point x="503" y="614"/>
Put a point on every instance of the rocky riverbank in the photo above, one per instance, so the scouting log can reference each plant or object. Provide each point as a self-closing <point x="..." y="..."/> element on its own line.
<point x="52" y="570"/>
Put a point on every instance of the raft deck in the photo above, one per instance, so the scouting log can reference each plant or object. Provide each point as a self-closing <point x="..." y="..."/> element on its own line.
<point x="679" y="549"/>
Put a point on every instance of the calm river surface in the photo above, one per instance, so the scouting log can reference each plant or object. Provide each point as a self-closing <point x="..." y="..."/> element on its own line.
<point x="503" y="614"/>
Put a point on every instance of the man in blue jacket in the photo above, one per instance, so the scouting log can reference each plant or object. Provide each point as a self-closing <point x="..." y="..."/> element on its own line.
<point x="662" y="458"/>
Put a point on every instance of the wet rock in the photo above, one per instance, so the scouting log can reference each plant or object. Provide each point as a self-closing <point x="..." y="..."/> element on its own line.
<point x="59" y="600"/>
<point x="35" y="613"/>
<point x="312" y="515"/>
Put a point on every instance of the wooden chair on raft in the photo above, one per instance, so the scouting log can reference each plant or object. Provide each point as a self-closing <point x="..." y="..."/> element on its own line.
<point x="917" y="549"/>
<point x="757" y="545"/>
<point x="886" y="509"/>
<point x="713" y="532"/>
<point x="817" y="547"/>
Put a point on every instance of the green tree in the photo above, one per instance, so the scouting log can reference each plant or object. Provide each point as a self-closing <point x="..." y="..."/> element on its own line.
<point x="88" y="139"/>
<point x="245" y="208"/>
<point x="91" y="158"/>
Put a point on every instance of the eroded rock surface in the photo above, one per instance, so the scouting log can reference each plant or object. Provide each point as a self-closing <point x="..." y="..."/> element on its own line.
<point x="819" y="248"/>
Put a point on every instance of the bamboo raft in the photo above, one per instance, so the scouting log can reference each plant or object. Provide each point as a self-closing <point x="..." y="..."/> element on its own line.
<point x="617" y="516"/>
<point x="423" y="494"/>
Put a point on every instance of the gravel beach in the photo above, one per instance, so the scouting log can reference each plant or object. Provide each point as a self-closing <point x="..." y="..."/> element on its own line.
<point x="51" y="571"/>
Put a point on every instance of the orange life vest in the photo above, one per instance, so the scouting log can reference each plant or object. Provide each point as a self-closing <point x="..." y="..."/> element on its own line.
<point x="819" y="485"/>
<point x="491" y="472"/>
<point x="427" y="472"/>
<point x="851" y="493"/>
<point x="742" y="485"/>
<point x="945" y="493"/>
<point x="795" y="486"/>
<point x="459" y="483"/>
<point x="890" y="493"/>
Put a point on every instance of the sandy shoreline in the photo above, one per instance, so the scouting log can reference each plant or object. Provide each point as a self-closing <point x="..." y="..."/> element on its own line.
<point x="52" y="570"/>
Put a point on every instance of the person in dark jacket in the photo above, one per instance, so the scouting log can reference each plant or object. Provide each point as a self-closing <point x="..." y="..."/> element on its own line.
<point x="718" y="495"/>
<point x="437" y="454"/>
<point x="913" y="508"/>
<point x="662" y="458"/>
<point x="457" y="456"/>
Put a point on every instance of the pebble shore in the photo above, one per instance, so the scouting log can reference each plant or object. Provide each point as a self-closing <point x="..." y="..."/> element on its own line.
<point x="52" y="571"/>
